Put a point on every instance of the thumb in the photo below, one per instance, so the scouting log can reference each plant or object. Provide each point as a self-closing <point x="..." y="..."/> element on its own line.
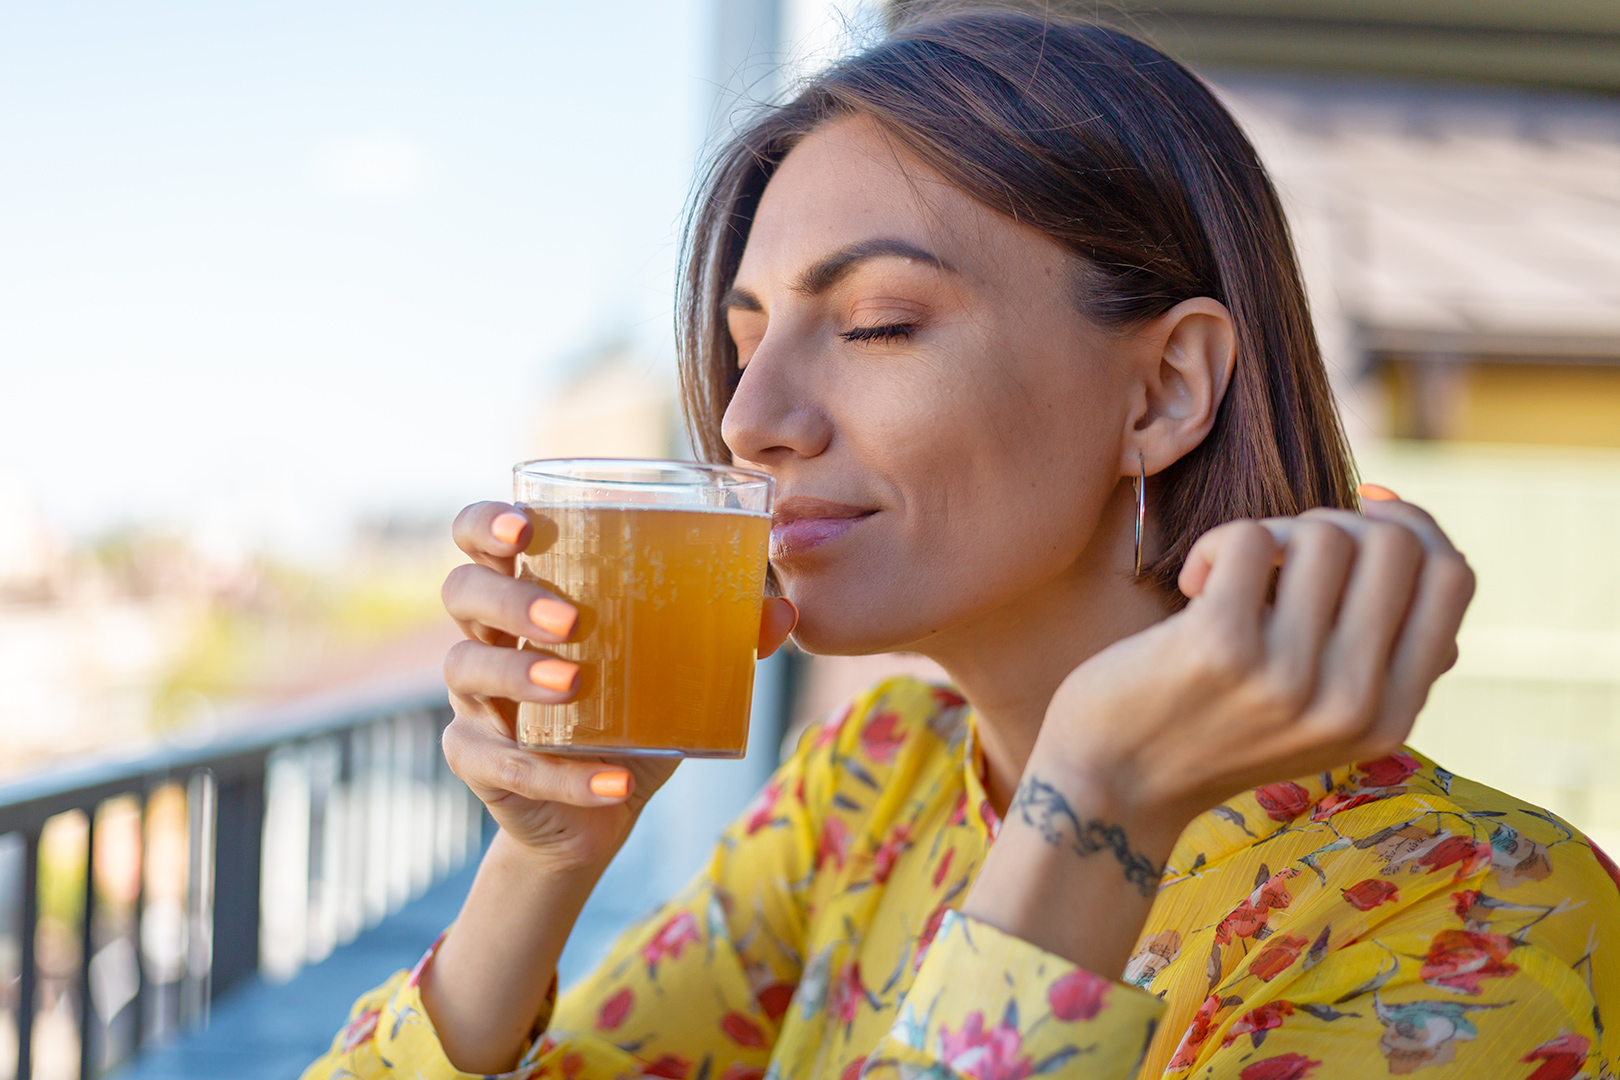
<point x="777" y="618"/>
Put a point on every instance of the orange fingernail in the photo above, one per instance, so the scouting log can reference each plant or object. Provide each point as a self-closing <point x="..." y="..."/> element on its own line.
<point x="610" y="785"/>
<point x="553" y="674"/>
<point x="1376" y="492"/>
<point x="508" y="527"/>
<point x="555" y="617"/>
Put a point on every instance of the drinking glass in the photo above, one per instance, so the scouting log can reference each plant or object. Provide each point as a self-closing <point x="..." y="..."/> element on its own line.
<point x="665" y="561"/>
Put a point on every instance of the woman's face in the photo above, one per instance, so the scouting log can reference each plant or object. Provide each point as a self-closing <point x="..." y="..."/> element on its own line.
<point x="944" y="427"/>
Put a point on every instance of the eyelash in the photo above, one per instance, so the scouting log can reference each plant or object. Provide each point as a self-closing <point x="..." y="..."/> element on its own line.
<point x="892" y="332"/>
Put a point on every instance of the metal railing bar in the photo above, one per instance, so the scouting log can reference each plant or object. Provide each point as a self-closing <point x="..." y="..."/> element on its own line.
<point x="27" y="971"/>
<point x="138" y="1005"/>
<point x="87" y="939"/>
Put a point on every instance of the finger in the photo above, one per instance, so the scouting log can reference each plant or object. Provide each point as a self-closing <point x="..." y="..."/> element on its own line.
<point x="475" y="669"/>
<point x="1316" y="565"/>
<point x="1231" y="565"/>
<point x="1356" y="657"/>
<point x="475" y="594"/>
<point x="492" y="533"/>
<point x="777" y="618"/>
<point x="1414" y="517"/>
<point x="495" y="768"/>
<point x="1427" y="646"/>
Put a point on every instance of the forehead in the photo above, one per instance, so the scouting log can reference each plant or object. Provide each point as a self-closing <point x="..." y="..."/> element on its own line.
<point x="847" y="182"/>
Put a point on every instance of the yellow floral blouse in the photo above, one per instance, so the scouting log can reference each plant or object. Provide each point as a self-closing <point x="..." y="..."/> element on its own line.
<point x="1388" y="917"/>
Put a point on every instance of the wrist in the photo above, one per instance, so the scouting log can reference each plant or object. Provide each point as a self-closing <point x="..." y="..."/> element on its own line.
<point x="1104" y="795"/>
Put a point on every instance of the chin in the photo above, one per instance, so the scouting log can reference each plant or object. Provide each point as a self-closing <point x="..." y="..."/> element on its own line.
<point x="851" y="621"/>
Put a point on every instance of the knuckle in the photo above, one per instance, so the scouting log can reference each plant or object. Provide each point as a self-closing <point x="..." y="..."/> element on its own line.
<point x="516" y="774"/>
<point x="460" y="663"/>
<point x="1395" y="540"/>
<point x="1219" y="653"/>
<point x="1453" y="578"/>
<point x="1284" y="690"/>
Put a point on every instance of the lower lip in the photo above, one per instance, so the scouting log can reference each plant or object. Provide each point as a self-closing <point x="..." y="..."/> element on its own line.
<point x="795" y="538"/>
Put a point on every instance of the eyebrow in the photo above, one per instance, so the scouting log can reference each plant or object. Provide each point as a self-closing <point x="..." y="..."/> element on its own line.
<point x="829" y="271"/>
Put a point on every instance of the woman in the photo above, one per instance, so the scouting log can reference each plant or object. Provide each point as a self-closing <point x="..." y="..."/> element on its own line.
<point x="965" y="297"/>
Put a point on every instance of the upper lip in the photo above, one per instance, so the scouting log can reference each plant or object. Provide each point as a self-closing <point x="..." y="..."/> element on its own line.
<point x="797" y="507"/>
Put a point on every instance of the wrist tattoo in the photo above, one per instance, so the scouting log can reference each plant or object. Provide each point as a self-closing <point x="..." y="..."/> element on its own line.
<point x="1043" y="807"/>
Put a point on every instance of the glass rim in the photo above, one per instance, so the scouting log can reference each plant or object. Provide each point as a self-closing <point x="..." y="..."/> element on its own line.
<point x="600" y="470"/>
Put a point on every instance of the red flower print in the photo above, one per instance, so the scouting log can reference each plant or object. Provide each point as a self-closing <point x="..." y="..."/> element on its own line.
<point x="944" y="867"/>
<point x="615" y="1009"/>
<point x="879" y="739"/>
<point x="1368" y="894"/>
<point x="844" y="1000"/>
<point x="1561" y="1058"/>
<point x="763" y="808"/>
<point x="1284" y="801"/>
<point x="832" y="727"/>
<point x="669" y="1066"/>
<point x="1458" y="960"/>
<point x="675" y="935"/>
<point x="1277" y="956"/>
<point x="571" y="1064"/>
<point x="852" y="1071"/>
<point x="947" y="698"/>
<point x="1248" y="917"/>
<point x="984" y="1054"/>
<point x="360" y="1029"/>
<point x="738" y="1071"/>
<point x="1079" y="995"/>
<point x="1604" y="861"/>
<point x="774" y="999"/>
<point x="884" y="858"/>
<point x="741" y="1030"/>
<point x="1463" y="902"/>
<point x="926" y="938"/>
<point x="1474" y="855"/>
<point x="1284" y="1067"/>
<point x="959" y="813"/>
<point x="1388" y="772"/>
<point x="1197" y="1033"/>
<point x="1337" y="802"/>
<point x="1256" y="1022"/>
<point x="834" y="842"/>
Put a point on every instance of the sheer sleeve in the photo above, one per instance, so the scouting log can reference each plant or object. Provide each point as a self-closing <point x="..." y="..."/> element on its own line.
<point x="696" y="989"/>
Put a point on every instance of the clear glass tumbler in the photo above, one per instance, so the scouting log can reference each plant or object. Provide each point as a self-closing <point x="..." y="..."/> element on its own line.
<point x="666" y="562"/>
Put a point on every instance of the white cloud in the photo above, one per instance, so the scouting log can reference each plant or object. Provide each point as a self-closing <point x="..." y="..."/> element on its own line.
<point x="377" y="167"/>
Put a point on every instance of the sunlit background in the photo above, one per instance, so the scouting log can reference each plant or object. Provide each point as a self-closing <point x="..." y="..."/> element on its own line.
<point x="282" y="286"/>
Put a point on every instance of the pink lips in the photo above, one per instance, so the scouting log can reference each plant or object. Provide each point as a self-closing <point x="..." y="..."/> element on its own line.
<point x="801" y="524"/>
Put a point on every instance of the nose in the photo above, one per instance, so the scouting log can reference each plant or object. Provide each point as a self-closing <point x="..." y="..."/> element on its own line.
<point x="775" y="412"/>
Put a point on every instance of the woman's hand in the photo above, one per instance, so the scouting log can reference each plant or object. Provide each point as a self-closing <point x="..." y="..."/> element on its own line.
<point x="1267" y="674"/>
<point x="1246" y="686"/>
<point x="570" y="812"/>
<point x="561" y="818"/>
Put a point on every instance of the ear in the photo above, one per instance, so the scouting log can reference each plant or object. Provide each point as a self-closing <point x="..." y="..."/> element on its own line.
<point x="1184" y="361"/>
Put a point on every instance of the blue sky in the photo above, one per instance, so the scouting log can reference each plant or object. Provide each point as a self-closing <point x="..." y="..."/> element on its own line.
<point x="274" y="265"/>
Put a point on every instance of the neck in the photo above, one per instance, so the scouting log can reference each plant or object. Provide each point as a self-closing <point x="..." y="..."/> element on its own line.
<point x="1009" y="662"/>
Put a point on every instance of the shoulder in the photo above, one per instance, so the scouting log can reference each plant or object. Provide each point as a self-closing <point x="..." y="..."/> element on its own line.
<point x="1481" y="868"/>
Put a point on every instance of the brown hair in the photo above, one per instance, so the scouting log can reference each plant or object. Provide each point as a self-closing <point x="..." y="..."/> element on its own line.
<point x="1122" y="156"/>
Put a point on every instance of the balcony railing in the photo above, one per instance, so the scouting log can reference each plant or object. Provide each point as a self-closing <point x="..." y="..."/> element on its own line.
<point x="135" y="891"/>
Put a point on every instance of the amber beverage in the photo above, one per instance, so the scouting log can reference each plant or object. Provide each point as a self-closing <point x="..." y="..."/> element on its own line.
<point x="666" y="564"/>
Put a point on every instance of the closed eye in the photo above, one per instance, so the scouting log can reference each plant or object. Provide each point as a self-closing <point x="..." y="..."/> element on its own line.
<point x="891" y="332"/>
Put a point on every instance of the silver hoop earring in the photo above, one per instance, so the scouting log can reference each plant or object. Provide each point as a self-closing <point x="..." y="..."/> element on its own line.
<point x="1141" y="508"/>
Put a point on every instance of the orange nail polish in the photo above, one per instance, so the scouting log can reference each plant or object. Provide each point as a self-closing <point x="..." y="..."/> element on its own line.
<point x="508" y="527"/>
<point x="610" y="785"/>
<point x="555" y="617"/>
<point x="1377" y="493"/>
<point x="553" y="674"/>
